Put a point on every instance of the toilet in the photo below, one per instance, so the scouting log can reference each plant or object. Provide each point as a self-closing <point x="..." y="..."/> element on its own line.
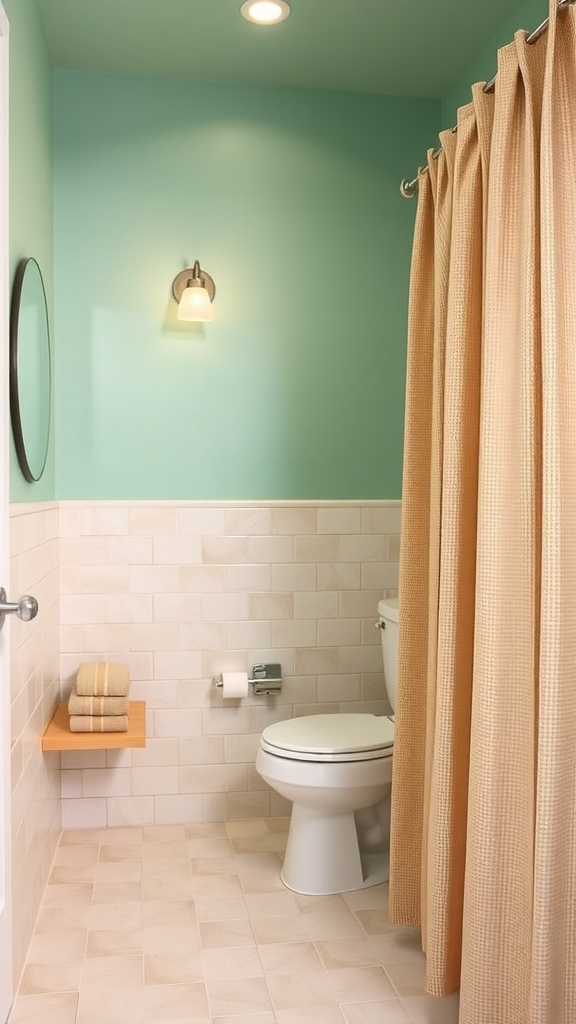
<point x="337" y="771"/>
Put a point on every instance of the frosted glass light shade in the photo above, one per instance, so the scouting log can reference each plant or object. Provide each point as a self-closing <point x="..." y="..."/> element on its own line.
<point x="195" y="305"/>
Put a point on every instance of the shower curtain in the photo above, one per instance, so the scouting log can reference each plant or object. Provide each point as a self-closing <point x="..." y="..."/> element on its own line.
<point x="483" y="849"/>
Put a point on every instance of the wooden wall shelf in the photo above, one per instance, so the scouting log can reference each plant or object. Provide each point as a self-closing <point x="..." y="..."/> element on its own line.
<point x="58" y="736"/>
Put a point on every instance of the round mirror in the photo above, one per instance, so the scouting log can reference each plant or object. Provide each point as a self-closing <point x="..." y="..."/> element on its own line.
<point x="30" y="369"/>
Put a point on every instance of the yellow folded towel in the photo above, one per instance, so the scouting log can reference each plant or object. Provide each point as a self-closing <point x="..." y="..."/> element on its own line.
<point x="103" y="679"/>
<point x="98" y="723"/>
<point x="81" y="705"/>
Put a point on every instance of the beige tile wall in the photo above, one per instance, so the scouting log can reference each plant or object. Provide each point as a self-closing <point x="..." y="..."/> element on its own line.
<point x="34" y="691"/>
<point x="184" y="591"/>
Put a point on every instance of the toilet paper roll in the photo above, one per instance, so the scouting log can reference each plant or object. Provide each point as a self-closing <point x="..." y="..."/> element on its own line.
<point x="234" y="684"/>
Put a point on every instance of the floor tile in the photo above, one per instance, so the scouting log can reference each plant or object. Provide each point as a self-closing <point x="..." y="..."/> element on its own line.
<point x="46" y="1009"/>
<point x="172" y="924"/>
<point x="238" y="995"/>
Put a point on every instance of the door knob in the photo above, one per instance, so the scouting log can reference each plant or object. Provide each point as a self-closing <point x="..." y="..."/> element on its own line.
<point x="26" y="608"/>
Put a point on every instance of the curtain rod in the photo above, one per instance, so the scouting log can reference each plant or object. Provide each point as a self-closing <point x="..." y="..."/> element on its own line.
<point x="408" y="188"/>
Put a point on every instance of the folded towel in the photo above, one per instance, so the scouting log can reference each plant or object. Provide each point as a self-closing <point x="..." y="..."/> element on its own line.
<point x="102" y="679"/>
<point x="81" y="705"/>
<point x="98" y="723"/>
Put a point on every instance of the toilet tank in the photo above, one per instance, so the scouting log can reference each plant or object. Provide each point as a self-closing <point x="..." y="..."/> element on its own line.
<point x="388" y="622"/>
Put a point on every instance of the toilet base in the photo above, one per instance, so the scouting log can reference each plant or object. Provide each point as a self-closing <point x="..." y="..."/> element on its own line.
<point x="337" y="863"/>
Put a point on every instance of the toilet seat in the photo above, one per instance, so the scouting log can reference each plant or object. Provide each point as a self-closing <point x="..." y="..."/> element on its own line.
<point x="330" y="738"/>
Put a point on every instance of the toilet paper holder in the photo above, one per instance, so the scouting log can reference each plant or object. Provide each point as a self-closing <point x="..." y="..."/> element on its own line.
<point x="266" y="679"/>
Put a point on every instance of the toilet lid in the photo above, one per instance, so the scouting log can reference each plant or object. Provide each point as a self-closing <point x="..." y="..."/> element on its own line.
<point x="345" y="737"/>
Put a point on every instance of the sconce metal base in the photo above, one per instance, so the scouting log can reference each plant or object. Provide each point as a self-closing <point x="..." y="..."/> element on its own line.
<point x="182" y="280"/>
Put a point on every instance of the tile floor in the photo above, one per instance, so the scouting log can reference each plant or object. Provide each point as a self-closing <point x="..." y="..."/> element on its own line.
<point x="191" y="923"/>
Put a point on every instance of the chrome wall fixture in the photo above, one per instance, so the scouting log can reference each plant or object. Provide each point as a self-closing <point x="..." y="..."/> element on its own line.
<point x="266" y="679"/>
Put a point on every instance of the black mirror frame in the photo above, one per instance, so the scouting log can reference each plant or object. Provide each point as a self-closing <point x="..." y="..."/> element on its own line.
<point x="15" y="409"/>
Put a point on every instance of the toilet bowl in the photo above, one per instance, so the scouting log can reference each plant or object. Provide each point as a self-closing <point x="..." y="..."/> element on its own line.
<point x="337" y="771"/>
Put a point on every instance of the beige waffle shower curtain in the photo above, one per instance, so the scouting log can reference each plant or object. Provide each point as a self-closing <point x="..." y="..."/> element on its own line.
<point x="483" y="850"/>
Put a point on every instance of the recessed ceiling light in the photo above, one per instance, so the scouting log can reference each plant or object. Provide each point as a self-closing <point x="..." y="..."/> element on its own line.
<point x="265" y="12"/>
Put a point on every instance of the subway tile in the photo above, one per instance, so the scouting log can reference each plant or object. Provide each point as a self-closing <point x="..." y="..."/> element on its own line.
<point x="293" y="578"/>
<point x="223" y="607"/>
<point x="247" y="805"/>
<point x="177" y="722"/>
<point x="270" y="549"/>
<point x="129" y="608"/>
<point x="153" y="636"/>
<point x="177" y="550"/>
<point x="201" y="521"/>
<point x="247" y="521"/>
<point x="294" y="520"/>
<point x="103" y="520"/>
<point x="271" y="606"/>
<point x="316" y="660"/>
<point x="316" y="549"/>
<point x="104" y="579"/>
<point x="77" y="551"/>
<point x="128" y="551"/>
<point x="245" y="635"/>
<point x="158" y="693"/>
<point x="180" y="607"/>
<point x="105" y="639"/>
<point x="379" y="575"/>
<point x="321" y="605"/>
<point x="224" y="550"/>
<point x="339" y="687"/>
<point x="71" y="784"/>
<point x="201" y="750"/>
<point x="335" y="631"/>
<point x="177" y="664"/>
<point x="337" y="576"/>
<point x="154" y="781"/>
<point x="359" y="604"/>
<point x="393" y="547"/>
<point x="385" y="518"/>
<point x="295" y="633"/>
<point x="226" y="720"/>
<point x="105" y="782"/>
<point x="84" y="813"/>
<point x="202" y="579"/>
<point x="213" y="778"/>
<point x="175" y="808"/>
<point x="83" y="609"/>
<point x="200" y="636"/>
<point x="194" y="693"/>
<point x="247" y="578"/>
<point x="360" y="659"/>
<point x="151" y="520"/>
<point x="153" y="579"/>
<point x="131" y="810"/>
<point x="339" y="520"/>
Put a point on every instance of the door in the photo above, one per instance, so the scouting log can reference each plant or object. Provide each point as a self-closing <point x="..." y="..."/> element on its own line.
<point x="6" y="990"/>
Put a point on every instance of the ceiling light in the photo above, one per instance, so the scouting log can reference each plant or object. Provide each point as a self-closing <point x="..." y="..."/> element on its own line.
<point x="265" y="12"/>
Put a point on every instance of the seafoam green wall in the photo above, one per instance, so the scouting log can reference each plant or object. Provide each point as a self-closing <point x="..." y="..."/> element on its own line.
<point x="289" y="198"/>
<point x="31" y="185"/>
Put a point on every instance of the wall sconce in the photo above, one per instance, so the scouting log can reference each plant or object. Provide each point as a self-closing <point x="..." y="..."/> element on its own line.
<point x="194" y="291"/>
